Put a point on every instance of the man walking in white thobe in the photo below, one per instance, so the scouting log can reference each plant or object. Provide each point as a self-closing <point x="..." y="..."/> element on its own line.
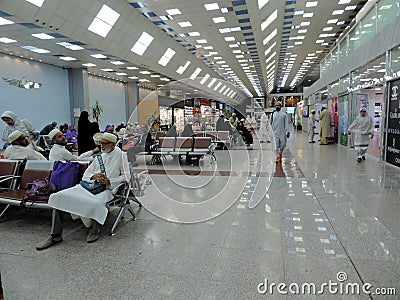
<point x="280" y="128"/>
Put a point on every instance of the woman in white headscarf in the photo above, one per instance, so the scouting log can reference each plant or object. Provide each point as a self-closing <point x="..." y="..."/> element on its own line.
<point x="363" y="127"/>
<point x="13" y="123"/>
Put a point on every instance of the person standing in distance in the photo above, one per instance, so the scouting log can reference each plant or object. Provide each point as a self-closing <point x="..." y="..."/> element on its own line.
<point x="280" y="128"/>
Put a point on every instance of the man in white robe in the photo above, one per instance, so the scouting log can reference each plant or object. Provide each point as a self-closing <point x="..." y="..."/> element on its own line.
<point x="263" y="131"/>
<point x="19" y="148"/>
<point x="59" y="152"/>
<point x="280" y="128"/>
<point x="363" y="127"/>
<point x="311" y="126"/>
<point x="80" y="202"/>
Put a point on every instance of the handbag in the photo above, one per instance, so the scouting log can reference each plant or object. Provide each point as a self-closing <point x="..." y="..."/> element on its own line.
<point x="39" y="189"/>
<point x="65" y="174"/>
<point x="95" y="187"/>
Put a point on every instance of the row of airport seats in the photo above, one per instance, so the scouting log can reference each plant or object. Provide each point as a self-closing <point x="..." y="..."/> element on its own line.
<point x="16" y="174"/>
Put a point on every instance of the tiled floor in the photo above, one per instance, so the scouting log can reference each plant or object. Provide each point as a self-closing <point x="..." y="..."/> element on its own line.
<point x="317" y="215"/>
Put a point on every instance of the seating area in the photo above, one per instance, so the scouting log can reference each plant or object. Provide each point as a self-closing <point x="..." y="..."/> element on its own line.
<point x="192" y="147"/>
<point x="16" y="176"/>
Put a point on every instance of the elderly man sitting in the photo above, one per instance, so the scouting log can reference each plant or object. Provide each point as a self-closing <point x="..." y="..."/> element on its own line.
<point x="19" y="148"/>
<point x="82" y="203"/>
<point x="59" y="152"/>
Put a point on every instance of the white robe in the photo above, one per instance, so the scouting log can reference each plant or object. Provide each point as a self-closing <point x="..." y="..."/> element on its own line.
<point x="311" y="124"/>
<point x="24" y="126"/>
<point x="58" y="152"/>
<point x="362" y="127"/>
<point x="21" y="152"/>
<point x="80" y="202"/>
<point x="280" y="126"/>
<point x="263" y="132"/>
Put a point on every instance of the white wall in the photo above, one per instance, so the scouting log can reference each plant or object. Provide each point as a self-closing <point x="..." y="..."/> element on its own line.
<point x="111" y="96"/>
<point x="40" y="106"/>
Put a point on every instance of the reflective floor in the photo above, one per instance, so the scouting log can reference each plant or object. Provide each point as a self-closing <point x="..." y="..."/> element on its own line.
<point x="226" y="230"/>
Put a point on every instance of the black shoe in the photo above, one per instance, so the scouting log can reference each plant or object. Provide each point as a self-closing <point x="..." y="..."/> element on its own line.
<point x="313" y="141"/>
<point x="363" y="158"/>
<point x="359" y="159"/>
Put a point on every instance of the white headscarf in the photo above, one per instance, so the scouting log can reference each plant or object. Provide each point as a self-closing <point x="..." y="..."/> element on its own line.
<point x="22" y="125"/>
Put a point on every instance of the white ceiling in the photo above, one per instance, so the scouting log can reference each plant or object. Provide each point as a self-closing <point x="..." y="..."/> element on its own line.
<point x="68" y="21"/>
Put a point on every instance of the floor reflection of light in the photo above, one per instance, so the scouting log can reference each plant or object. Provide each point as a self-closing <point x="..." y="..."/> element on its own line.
<point x="298" y="227"/>
<point x="298" y="239"/>
<point x="321" y="228"/>
<point x="324" y="241"/>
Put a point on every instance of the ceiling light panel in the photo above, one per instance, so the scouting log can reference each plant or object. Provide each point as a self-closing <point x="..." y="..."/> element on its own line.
<point x="7" y="40"/>
<point x="195" y="74"/>
<point x="272" y="17"/>
<point x="185" y="24"/>
<point x="173" y="12"/>
<point x="142" y="43"/>
<point x="312" y="4"/>
<point x="5" y="21"/>
<point x="262" y="3"/>
<point x="38" y="3"/>
<point x="104" y="21"/>
<point x="167" y="56"/>
<point x="183" y="68"/>
<point x="211" y="6"/>
<point x="219" y="20"/>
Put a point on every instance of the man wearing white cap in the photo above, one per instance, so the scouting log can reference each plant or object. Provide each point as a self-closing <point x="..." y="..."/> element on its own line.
<point x="280" y="128"/>
<point x="59" y="152"/>
<point x="324" y="125"/>
<point x="363" y="127"/>
<point x="19" y="149"/>
<point x="82" y="203"/>
<point x="311" y="125"/>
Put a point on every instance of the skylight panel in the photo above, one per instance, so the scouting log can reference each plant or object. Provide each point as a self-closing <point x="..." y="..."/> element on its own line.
<point x="272" y="17"/>
<point x="183" y="68"/>
<point x="262" y="3"/>
<point x="38" y="3"/>
<point x="219" y="20"/>
<point x="205" y="78"/>
<point x="104" y="21"/>
<point x="185" y="24"/>
<point x="5" y="21"/>
<point x="173" y="11"/>
<point x="142" y="43"/>
<point x="167" y="56"/>
<point x="70" y="46"/>
<point x="195" y="74"/>
<point x="211" y="6"/>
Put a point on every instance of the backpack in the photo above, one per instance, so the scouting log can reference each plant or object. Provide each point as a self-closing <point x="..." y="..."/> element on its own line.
<point x="39" y="189"/>
<point x="64" y="174"/>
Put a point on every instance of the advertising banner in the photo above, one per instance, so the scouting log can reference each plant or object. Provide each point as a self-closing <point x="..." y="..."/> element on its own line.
<point x="343" y="119"/>
<point x="393" y="128"/>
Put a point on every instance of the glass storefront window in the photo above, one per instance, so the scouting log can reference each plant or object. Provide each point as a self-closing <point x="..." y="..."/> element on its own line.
<point x="343" y="49"/>
<point x="395" y="61"/>
<point x="368" y="27"/>
<point x="335" y="56"/>
<point x="354" y="39"/>
<point x="388" y="10"/>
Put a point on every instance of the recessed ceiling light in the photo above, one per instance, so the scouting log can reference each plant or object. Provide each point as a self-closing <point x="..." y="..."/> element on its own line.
<point x="104" y="21"/>
<point x="224" y="10"/>
<point x="38" y="3"/>
<point x="89" y="65"/>
<point x="107" y="70"/>
<point x="303" y="24"/>
<point x="312" y="4"/>
<point x="340" y="23"/>
<point x="202" y="41"/>
<point x="350" y="7"/>
<point x="117" y="62"/>
<point x="43" y="36"/>
<point x="337" y="12"/>
<point x="219" y="20"/>
<point x="67" y="58"/>
<point x="142" y="43"/>
<point x="185" y="24"/>
<point x="121" y="74"/>
<point x="230" y="38"/>
<point x="224" y="30"/>
<point x="308" y="15"/>
<point x="133" y="77"/>
<point x="208" y="48"/>
<point x="7" y="40"/>
<point x="98" y="56"/>
<point x="344" y="1"/>
<point x="145" y="72"/>
<point x="332" y="21"/>
<point x="195" y="33"/>
<point x="5" y="21"/>
<point x="303" y="31"/>
<point x="234" y="29"/>
<point x="327" y="29"/>
<point x="132" y="68"/>
<point x="298" y="12"/>
<point x="211" y="6"/>
<point x="173" y="11"/>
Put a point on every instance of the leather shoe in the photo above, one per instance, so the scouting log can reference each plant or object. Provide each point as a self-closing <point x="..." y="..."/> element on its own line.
<point x="93" y="236"/>
<point x="47" y="243"/>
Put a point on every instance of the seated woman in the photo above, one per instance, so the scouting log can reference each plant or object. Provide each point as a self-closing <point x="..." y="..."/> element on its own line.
<point x="187" y="131"/>
<point x="72" y="136"/>
<point x="244" y="133"/>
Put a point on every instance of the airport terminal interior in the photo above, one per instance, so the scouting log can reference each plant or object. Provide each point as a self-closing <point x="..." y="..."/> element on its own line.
<point x="278" y="191"/>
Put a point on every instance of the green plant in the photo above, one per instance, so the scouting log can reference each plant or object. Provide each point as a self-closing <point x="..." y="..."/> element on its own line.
<point x="97" y="111"/>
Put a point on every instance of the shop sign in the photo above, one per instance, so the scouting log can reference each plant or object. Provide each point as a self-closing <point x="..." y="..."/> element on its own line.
<point x="393" y="129"/>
